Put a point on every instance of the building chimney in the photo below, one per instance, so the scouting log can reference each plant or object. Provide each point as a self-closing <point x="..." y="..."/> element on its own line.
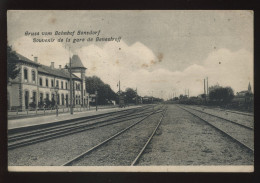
<point x="52" y="65"/>
<point x="35" y="59"/>
<point x="59" y="66"/>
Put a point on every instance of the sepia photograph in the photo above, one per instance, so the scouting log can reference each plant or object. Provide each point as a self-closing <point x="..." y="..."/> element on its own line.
<point x="130" y="90"/>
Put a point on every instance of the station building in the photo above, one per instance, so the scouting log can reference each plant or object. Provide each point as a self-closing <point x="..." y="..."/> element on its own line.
<point x="36" y="82"/>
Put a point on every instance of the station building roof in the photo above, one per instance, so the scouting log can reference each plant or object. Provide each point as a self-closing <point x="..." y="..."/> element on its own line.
<point x="76" y="62"/>
<point x="64" y="73"/>
<point x="24" y="59"/>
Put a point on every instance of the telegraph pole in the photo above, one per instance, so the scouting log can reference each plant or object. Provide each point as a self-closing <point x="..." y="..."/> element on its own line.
<point x="152" y="97"/>
<point x="136" y="97"/>
<point x="205" y="89"/>
<point x="119" y="87"/>
<point x="96" y="93"/>
<point x="119" y="93"/>
<point x="71" y="106"/>
<point x="207" y="85"/>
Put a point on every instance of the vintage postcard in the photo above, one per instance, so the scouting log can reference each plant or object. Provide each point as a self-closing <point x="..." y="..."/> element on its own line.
<point x="130" y="91"/>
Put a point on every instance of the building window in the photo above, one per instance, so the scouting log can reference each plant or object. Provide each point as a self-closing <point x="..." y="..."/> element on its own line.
<point x="61" y="84"/>
<point x="26" y="99"/>
<point x="57" y="83"/>
<point x="67" y="100"/>
<point x="53" y="98"/>
<point x="58" y="99"/>
<point x="62" y="99"/>
<point x="33" y="75"/>
<point x="76" y="99"/>
<point x="52" y="83"/>
<point x="40" y="81"/>
<point x="47" y="97"/>
<point x="66" y="85"/>
<point x="25" y="72"/>
<point x="47" y="82"/>
<point x="34" y="97"/>
<point x="41" y="97"/>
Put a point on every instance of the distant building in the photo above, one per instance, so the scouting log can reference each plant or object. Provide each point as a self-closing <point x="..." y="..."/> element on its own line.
<point x="242" y="93"/>
<point x="245" y="92"/>
<point x="146" y="99"/>
<point x="246" y="96"/>
<point x="36" y="82"/>
<point x="149" y="100"/>
<point x="249" y="88"/>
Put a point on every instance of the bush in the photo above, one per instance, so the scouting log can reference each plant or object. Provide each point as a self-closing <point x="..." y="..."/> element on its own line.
<point x="221" y="95"/>
<point x="52" y="104"/>
<point x="40" y="104"/>
<point x="47" y="103"/>
<point x="32" y="105"/>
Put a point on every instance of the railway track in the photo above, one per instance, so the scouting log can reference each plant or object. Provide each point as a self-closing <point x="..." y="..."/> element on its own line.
<point x="230" y="111"/>
<point x="242" y="113"/>
<point x="44" y="134"/>
<point x="21" y="135"/>
<point x="240" y="124"/>
<point x="148" y="141"/>
<point x="241" y="134"/>
<point x="48" y="125"/>
<point x="101" y="144"/>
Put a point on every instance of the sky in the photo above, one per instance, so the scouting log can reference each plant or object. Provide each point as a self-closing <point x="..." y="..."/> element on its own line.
<point x="161" y="53"/>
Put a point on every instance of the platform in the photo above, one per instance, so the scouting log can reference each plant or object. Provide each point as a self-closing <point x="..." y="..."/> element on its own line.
<point x="38" y="120"/>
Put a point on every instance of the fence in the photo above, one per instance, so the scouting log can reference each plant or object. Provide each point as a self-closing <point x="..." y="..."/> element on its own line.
<point x="48" y="111"/>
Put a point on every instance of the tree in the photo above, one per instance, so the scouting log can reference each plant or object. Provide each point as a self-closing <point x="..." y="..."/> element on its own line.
<point x="105" y="93"/>
<point x="221" y="94"/>
<point x="213" y="87"/>
<point x="47" y="102"/>
<point x="12" y="60"/>
<point x="130" y="95"/>
<point x="183" y="97"/>
<point x="203" y="95"/>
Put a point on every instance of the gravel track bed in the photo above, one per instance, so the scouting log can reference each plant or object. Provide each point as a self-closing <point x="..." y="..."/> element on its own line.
<point x="122" y="150"/>
<point x="242" y="134"/>
<point x="58" y="151"/>
<point x="183" y="140"/>
<point x="239" y="118"/>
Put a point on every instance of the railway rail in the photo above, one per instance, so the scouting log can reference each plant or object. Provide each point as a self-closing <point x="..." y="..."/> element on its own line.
<point x="148" y="141"/>
<point x="82" y="155"/>
<point x="41" y="130"/>
<point x="231" y="111"/>
<point x="241" y="134"/>
<point x="16" y="140"/>
<point x="242" y="125"/>
<point x="236" y="112"/>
